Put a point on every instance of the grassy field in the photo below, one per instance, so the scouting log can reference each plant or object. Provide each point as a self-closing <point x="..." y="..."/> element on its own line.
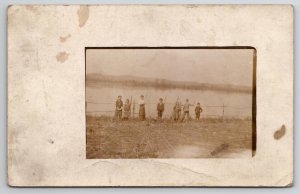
<point x="208" y="138"/>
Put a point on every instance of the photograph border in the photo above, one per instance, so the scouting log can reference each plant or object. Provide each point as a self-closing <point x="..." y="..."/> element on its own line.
<point x="254" y="133"/>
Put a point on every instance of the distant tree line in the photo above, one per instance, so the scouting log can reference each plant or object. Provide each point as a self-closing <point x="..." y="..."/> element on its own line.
<point x="133" y="81"/>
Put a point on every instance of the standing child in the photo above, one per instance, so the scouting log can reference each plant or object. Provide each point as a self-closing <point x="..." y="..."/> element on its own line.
<point x="160" y="109"/>
<point x="127" y="108"/>
<point x="198" y="110"/>
<point x="186" y="109"/>
<point x="119" y="105"/>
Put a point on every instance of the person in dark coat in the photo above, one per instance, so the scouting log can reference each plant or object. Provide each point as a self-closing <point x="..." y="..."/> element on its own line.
<point x="142" y="109"/>
<point x="198" y="111"/>
<point x="127" y="108"/>
<point x="160" y="109"/>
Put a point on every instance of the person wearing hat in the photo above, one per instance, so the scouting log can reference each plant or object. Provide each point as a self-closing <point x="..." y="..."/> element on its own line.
<point x="119" y="106"/>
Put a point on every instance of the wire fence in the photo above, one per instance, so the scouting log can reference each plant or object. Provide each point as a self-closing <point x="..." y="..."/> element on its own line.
<point x="209" y="111"/>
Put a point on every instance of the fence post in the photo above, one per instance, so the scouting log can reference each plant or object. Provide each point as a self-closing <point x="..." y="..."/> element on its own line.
<point x="223" y="112"/>
<point x="133" y="108"/>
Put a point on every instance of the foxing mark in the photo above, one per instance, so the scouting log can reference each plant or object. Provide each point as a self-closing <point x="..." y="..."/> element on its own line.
<point x="83" y="15"/>
<point x="280" y="132"/>
<point x="64" y="38"/>
<point x="62" y="56"/>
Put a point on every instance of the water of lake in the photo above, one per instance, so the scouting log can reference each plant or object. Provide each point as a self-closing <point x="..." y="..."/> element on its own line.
<point x="101" y="101"/>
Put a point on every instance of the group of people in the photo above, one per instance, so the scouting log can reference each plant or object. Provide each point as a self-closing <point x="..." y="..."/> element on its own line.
<point x="180" y="111"/>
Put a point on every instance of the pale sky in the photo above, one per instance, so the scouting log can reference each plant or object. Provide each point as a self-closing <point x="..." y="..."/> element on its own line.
<point x="215" y="66"/>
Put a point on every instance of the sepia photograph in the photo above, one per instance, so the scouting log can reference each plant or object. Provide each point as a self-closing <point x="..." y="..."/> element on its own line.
<point x="170" y="103"/>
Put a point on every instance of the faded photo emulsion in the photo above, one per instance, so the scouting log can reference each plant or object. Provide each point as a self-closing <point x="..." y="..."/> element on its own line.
<point x="170" y="102"/>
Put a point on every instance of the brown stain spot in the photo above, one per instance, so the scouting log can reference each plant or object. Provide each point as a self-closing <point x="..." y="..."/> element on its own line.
<point x="280" y="132"/>
<point x="51" y="141"/>
<point x="64" y="38"/>
<point x="83" y="15"/>
<point x="219" y="149"/>
<point x="62" y="56"/>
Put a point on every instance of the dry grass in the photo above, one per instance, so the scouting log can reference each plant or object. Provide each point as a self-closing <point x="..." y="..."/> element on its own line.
<point x="208" y="138"/>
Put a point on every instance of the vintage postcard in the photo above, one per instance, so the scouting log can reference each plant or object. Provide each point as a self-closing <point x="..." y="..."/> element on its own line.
<point x="150" y="95"/>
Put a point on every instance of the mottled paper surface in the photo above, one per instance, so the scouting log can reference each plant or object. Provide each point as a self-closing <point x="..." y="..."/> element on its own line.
<point x="46" y="91"/>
